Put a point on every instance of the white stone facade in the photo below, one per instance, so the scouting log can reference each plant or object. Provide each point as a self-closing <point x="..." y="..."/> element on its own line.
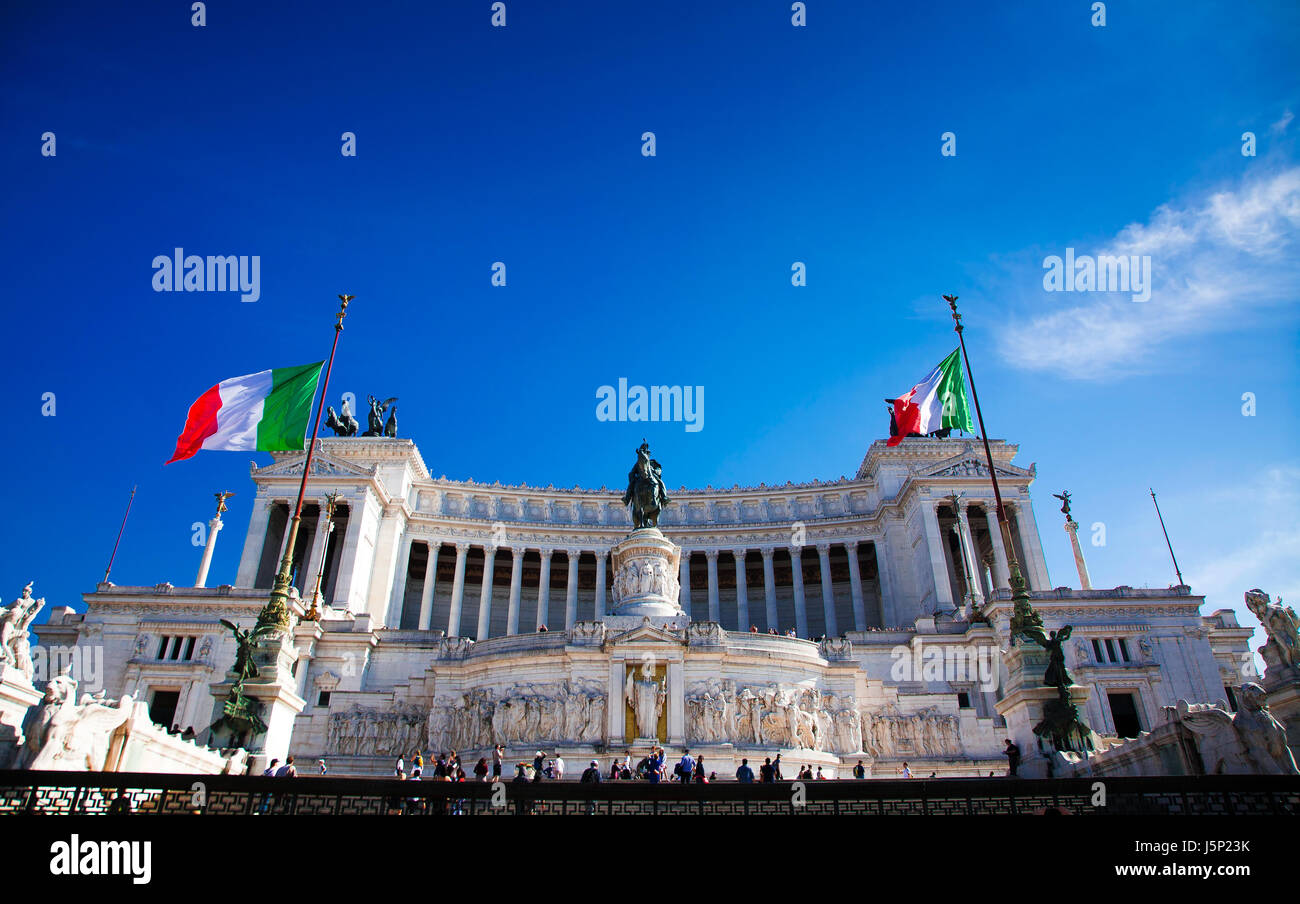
<point x="870" y="574"/>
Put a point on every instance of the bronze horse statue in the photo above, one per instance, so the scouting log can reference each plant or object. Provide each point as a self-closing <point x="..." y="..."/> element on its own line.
<point x="645" y="489"/>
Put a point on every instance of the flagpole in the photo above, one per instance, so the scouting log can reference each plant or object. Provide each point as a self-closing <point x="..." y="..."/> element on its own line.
<point x="1167" y="543"/>
<point x="1023" y="616"/>
<point x="119" y="535"/>
<point x="276" y="612"/>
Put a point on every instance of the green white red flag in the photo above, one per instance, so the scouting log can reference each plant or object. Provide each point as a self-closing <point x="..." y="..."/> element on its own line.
<point x="264" y="412"/>
<point x="938" y="402"/>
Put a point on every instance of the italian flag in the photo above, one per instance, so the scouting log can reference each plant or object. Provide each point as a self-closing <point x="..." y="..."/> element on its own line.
<point x="263" y="412"/>
<point x="937" y="402"/>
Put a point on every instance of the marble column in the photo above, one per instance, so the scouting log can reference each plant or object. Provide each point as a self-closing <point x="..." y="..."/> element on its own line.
<point x="1036" y="567"/>
<point x="769" y="587"/>
<point x="972" y="556"/>
<point x="571" y="589"/>
<point x="251" y="558"/>
<point x="828" y="589"/>
<point x="938" y="560"/>
<point x="317" y="553"/>
<point x="855" y="587"/>
<point x="600" y="583"/>
<point x="1001" y="571"/>
<point x="457" y="591"/>
<point x="430" y="579"/>
<point x="800" y="604"/>
<point x="684" y="579"/>
<point x="485" y="592"/>
<point x="715" y="608"/>
<point x="516" y="582"/>
<point x="398" y="594"/>
<point x="885" y="578"/>
<point x="544" y="591"/>
<point x="742" y="591"/>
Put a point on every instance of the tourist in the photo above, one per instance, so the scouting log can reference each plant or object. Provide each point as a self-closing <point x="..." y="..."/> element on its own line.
<point x="265" y="803"/>
<point x="538" y="762"/>
<point x="776" y="769"/>
<point x="417" y="762"/>
<point x="753" y="629"/>
<point x="559" y="767"/>
<point x="906" y="772"/>
<point x="520" y="774"/>
<point x="615" y="772"/>
<point x="591" y="776"/>
<point x="699" y="769"/>
<point x="481" y="770"/>
<point x="1012" y="752"/>
<point x="766" y="774"/>
<point x="399" y="768"/>
<point x="655" y="766"/>
<point x="820" y="777"/>
<point x="859" y="771"/>
<point x="625" y="772"/>
<point x="320" y="764"/>
<point x="772" y="631"/>
<point x="744" y="773"/>
<point x="270" y="770"/>
<point x="413" y="802"/>
<point x="288" y="770"/>
<point x="685" y="768"/>
<point x="541" y="629"/>
<point x="498" y="753"/>
<point x="934" y="775"/>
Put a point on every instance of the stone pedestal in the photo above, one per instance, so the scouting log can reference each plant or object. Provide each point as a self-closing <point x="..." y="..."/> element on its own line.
<point x="17" y="695"/>
<point x="1283" y="688"/>
<point x="646" y="566"/>
<point x="1024" y="703"/>
<point x="274" y="689"/>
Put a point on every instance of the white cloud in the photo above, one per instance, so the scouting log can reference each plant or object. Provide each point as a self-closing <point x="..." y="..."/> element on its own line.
<point x="1279" y="127"/>
<point x="1217" y="261"/>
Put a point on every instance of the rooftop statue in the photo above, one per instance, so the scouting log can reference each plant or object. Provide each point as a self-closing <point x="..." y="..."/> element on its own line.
<point x="646" y="492"/>
<point x="346" y="425"/>
<point x="376" y="419"/>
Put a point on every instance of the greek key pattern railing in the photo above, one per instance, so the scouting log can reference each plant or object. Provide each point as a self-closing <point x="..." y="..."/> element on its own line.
<point x="60" y="793"/>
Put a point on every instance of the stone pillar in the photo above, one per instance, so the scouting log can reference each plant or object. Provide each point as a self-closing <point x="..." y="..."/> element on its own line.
<point x="888" y="614"/>
<point x="516" y="581"/>
<point x="742" y="591"/>
<point x="684" y="580"/>
<point x="769" y="587"/>
<point x="214" y="527"/>
<point x="616" y="707"/>
<point x="571" y="589"/>
<point x="253" y="543"/>
<point x="972" y="562"/>
<point x="676" y="704"/>
<point x="1036" y="566"/>
<point x="938" y="561"/>
<point x="457" y="591"/>
<point x="1072" y="528"/>
<point x="398" y="594"/>
<point x="319" y="542"/>
<point x="800" y="604"/>
<point x="828" y="589"/>
<point x="430" y="582"/>
<point x="1001" y="571"/>
<point x="715" y="608"/>
<point x="485" y="593"/>
<point x="855" y="586"/>
<point x="544" y="591"/>
<point x="600" y="583"/>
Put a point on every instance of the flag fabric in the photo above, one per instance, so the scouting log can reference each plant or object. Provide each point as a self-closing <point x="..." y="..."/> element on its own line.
<point x="264" y="412"/>
<point x="937" y="402"/>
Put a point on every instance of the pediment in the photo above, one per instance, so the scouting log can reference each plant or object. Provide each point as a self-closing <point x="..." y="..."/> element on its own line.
<point x="645" y="633"/>
<point x="969" y="463"/>
<point x="321" y="466"/>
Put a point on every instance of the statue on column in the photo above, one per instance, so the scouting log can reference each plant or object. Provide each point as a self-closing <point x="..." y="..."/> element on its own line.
<point x="376" y="419"/>
<point x="15" y="648"/>
<point x="646" y="492"/>
<point x="647" y="698"/>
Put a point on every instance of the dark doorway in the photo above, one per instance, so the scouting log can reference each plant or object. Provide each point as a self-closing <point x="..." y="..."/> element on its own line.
<point x="1123" y="710"/>
<point x="162" y="709"/>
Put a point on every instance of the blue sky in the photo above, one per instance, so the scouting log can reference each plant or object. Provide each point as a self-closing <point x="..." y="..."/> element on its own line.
<point x="775" y="144"/>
